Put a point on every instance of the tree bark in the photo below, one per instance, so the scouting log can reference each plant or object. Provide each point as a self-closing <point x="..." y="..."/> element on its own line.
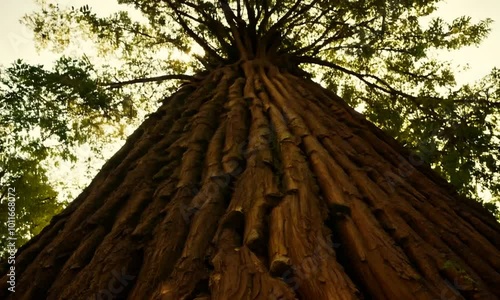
<point x="254" y="183"/>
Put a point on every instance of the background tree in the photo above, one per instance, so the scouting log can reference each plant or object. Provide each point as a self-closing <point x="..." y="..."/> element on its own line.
<point x="44" y="115"/>
<point x="371" y="53"/>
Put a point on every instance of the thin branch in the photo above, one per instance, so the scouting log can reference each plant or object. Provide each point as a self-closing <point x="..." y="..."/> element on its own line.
<point x="191" y="17"/>
<point x="218" y="29"/>
<point x="292" y="13"/>
<point x="362" y="77"/>
<point x="339" y="35"/>
<point x="137" y="32"/>
<point x="250" y="14"/>
<point x="314" y="45"/>
<point x="259" y="9"/>
<point x="342" y="33"/>
<point x="238" y="8"/>
<point x="386" y="87"/>
<point x="232" y="20"/>
<point x="267" y="15"/>
<point x="299" y="14"/>
<point x="115" y="85"/>
<point x="284" y="18"/>
<point x="204" y="44"/>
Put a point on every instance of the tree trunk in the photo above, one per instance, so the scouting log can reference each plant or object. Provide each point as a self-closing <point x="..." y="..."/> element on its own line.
<point x="254" y="183"/>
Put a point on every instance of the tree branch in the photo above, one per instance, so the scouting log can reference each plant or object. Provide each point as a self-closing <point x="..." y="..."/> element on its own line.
<point x="238" y="8"/>
<point x="386" y="87"/>
<point x="115" y="85"/>
<point x="232" y="20"/>
<point x="314" y="45"/>
<point x="204" y="44"/>
<point x="191" y="17"/>
<point x="250" y="14"/>
<point x="362" y="77"/>
<point x="267" y="14"/>
<point x="299" y="14"/>
<point x="284" y="18"/>
<point x="292" y="13"/>
<point x="218" y="29"/>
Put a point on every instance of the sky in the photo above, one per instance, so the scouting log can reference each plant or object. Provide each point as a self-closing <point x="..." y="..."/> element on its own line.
<point x="16" y="41"/>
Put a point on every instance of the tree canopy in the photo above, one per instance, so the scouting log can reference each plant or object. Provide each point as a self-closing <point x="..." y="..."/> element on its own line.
<point x="377" y="55"/>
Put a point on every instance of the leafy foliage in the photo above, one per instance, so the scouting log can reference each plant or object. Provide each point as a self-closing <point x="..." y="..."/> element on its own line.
<point x="44" y="115"/>
<point x="34" y="198"/>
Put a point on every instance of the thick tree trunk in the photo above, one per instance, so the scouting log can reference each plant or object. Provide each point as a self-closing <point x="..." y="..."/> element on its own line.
<point x="253" y="183"/>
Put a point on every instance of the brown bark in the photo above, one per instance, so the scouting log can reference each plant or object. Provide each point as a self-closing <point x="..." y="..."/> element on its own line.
<point x="255" y="183"/>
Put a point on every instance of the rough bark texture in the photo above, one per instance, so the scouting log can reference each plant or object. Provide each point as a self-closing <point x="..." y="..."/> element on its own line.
<point x="253" y="183"/>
